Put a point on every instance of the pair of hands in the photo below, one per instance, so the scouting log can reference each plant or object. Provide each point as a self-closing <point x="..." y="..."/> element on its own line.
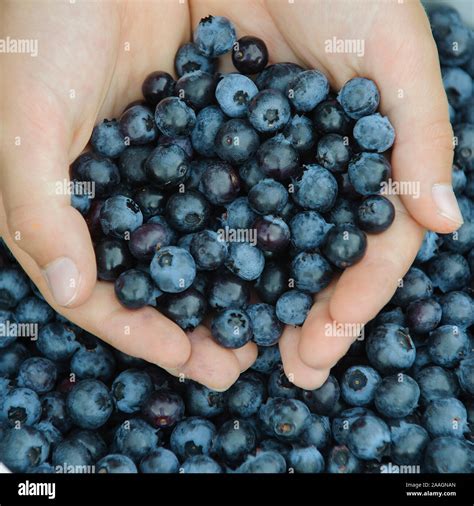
<point x="93" y="57"/>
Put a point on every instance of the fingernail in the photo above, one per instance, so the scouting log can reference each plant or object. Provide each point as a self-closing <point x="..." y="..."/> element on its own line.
<point x="63" y="278"/>
<point x="445" y="200"/>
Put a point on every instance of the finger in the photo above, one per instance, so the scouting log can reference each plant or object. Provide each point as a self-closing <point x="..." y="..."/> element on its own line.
<point x="209" y="364"/>
<point x="246" y="355"/>
<point x="37" y="202"/>
<point x="143" y="333"/>
<point x="295" y="369"/>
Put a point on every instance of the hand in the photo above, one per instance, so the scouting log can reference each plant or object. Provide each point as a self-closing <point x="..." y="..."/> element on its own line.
<point x="400" y="56"/>
<point x="84" y="73"/>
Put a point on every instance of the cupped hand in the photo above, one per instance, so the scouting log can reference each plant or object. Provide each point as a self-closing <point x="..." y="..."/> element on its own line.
<point x="399" y="54"/>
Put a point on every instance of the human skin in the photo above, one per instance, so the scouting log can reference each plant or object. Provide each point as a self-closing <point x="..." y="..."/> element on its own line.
<point x="103" y="51"/>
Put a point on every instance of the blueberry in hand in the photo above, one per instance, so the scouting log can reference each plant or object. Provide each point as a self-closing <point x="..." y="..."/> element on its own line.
<point x="239" y="214"/>
<point x="397" y="396"/>
<point x="307" y="89"/>
<point x="246" y="395"/>
<point x="38" y="374"/>
<point x="278" y="158"/>
<point x="445" y="417"/>
<point x="359" y="97"/>
<point x="369" y="438"/>
<point x="167" y="165"/>
<point x="277" y="76"/>
<point x="267" y="329"/>
<point x="197" y="89"/>
<point x="134" y="288"/>
<point x="234" y="440"/>
<point x="308" y="230"/>
<point x="208" y="250"/>
<point x="192" y="436"/>
<point x="269" y="111"/>
<point x="233" y="94"/>
<point x="159" y="461"/>
<point x="423" y="315"/>
<point x="187" y="212"/>
<point x="300" y="133"/>
<point x="147" y="239"/>
<point x="214" y="36"/>
<point x="368" y="172"/>
<point x="374" y="133"/>
<point x="249" y="55"/>
<point x="130" y="389"/>
<point x="415" y="285"/>
<point x="344" y="211"/>
<point x="137" y="125"/>
<point x="329" y="117"/>
<point x="208" y="122"/>
<point x="267" y="197"/>
<point x="204" y="402"/>
<point x="236" y="141"/>
<point x="315" y="176"/>
<point x="113" y="257"/>
<point x="245" y="260"/>
<point x="107" y="139"/>
<point x="448" y="345"/>
<point x="449" y="271"/>
<point x="311" y="272"/>
<point x="228" y="291"/>
<point x="375" y="214"/>
<point x="131" y="165"/>
<point x="219" y="182"/>
<point x="359" y="384"/>
<point x="187" y="308"/>
<point x="272" y="282"/>
<point x="120" y="215"/>
<point x="273" y="233"/>
<point x="345" y="245"/>
<point x="164" y="408"/>
<point x="333" y="152"/>
<point x="174" y="117"/>
<point x="232" y="328"/>
<point x="157" y="86"/>
<point x="173" y="269"/>
<point x="293" y="307"/>
<point x="96" y="169"/>
<point x="188" y="59"/>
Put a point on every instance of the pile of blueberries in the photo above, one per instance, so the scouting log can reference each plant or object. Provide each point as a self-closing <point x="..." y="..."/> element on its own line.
<point x="216" y="188"/>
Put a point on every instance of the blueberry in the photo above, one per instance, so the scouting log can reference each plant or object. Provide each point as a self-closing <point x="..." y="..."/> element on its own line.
<point x="390" y="348"/>
<point x="11" y="358"/>
<point x="220" y="183"/>
<point x="318" y="432"/>
<point x="157" y="86"/>
<point x="119" y="216"/>
<point x="359" y="97"/>
<point x="167" y="166"/>
<point x="93" y="360"/>
<point x="23" y="448"/>
<point x="164" y="408"/>
<point x="444" y="15"/>
<point x="197" y="89"/>
<point x="368" y="172"/>
<point x="249" y="55"/>
<point x="150" y="200"/>
<point x="239" y="214"/>
<point x="315" y="176"/>
<point x="228" y="291"/>
<point x="342" y="422"/>
<point x="311" y="272"/>
<point x="135" y="438"/>
<point x="204" y="402"/>
<point x="115" y="464"/>
<point x="278" y="158"/>
<point x="70" y="455"/>
<point x="415" y="285"/>
<point x="435" y="383"/>
<point x="251" y="173"/>
<point x="81" y="202"/>
<point x="130" y="389"/>
<point x="42" y="469"/>
<point x="20" y="406"/>
<point x="359" y="384"/>
<point x="214" y="36"/>
<point x="307" y="89"/>
<point x="38" y="374"/>
<point x="464" y="148"/>
<point x="134" y="288"/>
<point x="329" y="117"/>
<point x="458" y="86"/>
<point x="408" y="443"/>
<point x="245" y="396"/>
<point x="189" y="59"/>
<point x="322" y="400"/>
<point x="345" y="245"/>
<point x="187" y="212"/>
<point x="107" y="139"/>
<point x="333" y="152"/>
<point x="174" y="117"/>
<point x="245" y="260"/>
<point x="7" y="337"/>
<point x="279" y="385"/>
<point x="14" y="286"/>
<point x="428" y="248"/>
<point x="232" y="328"/>
<point x="285" y="419"/>
<point x="448" y="345"/>
<point x="52" y="434"/>
<point x="341" y="461"/>
<point x="92" y="441"/>
<point x="423" y="315"/>
<point x="445" y="417"/>
<point x="448" y="455"/>
<point x="264" y="462"/>
<point x="269" y="111"/>
<point x="344" y="211"/>
<point x="369" y="438"/>
<point x="267" y="329"/>
<point x="267" y="197"/>
<point x="308" y="230"/>
<point x="159" y="461"/>
<point x="236" y="141"/>
<point x="300" y="133"/>
<point x="454" y="43"/>
<point x="292" y="307"/>
<point x="272" y="282"/>
<point x="96" y="169"/>
<point x="465" y="374"/>
<point x="89" y="404"/>
<point x="187" y="308"/>
<point x="459" y="180"/>
<point x="137" y="125"/>
<point x="173" y="269"/>
<point x="375" y="214"/>
<point x="208" y="122"/>
<point x="200" y="464"/>
<point x="57" y="341"/>
<point x="395" y="315"/>
<point x="33" y="310"/>
<point x="397" y="396"/>
<point x="374" y="133"/>
<point x="306" y="460"/>
<point x="234" y="440"/>
<point x="272" y="232"/>
<point x="233" y="93"/>
<point x="148" y="238"/>
<point x="277" y="76"/>
<point x="192" y="436"/>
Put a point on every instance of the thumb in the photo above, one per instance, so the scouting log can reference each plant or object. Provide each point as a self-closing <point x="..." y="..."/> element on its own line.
<point x="39" y="215"/>
<point x="414" y="99"/>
